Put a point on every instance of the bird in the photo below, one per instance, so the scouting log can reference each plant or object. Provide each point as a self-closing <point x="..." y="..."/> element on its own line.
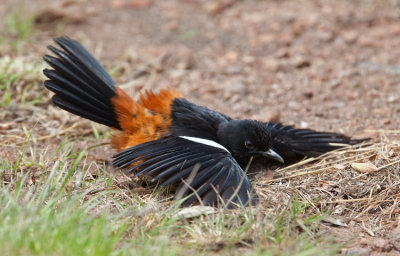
<point x="201" y="153"/>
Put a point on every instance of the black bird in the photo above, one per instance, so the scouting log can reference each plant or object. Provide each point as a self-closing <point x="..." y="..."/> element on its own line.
<point x="171" y="140"/>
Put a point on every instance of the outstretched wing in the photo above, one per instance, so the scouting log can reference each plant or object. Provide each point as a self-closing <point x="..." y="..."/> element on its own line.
<point x="203" y="169"/>
<point x="290" y="142"/>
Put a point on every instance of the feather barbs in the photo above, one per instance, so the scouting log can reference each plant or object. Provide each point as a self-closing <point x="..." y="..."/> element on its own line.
<point x="142" y="121"/>
<point x="160" y="102"/>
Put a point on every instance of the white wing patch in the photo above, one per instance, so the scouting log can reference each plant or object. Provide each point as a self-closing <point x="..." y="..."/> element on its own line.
<point x="205" y="142"/>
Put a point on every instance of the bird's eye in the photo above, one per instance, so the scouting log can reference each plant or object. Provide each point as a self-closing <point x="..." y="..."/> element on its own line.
<point x="249" y="144"/>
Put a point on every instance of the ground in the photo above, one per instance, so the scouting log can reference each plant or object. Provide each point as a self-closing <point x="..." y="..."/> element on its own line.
<point x="325" y="65"/>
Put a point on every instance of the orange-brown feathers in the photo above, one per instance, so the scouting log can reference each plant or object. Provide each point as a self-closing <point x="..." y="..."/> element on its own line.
<point x="142" y="121"/>
<point x="161" y="102"/>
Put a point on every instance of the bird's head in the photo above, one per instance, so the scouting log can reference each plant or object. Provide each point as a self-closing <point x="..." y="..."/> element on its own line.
<point x="247" y="138"/>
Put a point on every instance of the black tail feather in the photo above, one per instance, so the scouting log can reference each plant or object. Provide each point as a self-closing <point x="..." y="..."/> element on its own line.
<point x="81" y="85"/>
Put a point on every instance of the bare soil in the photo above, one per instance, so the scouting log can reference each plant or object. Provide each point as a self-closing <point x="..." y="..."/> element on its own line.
<point x="325" y="65"/>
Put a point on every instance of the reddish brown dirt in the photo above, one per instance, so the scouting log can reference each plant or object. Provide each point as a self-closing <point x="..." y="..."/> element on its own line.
<point x="329" y="65"/>
<point x="326" y="65"/>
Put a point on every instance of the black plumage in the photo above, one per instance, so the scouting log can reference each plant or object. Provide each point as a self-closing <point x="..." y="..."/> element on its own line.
<point x="220" y="166"/>
<point x="82" y="86"/>
<point x="202" y="152"/>
<point x="189" y="119"/>
<point x="290" y="142"/>
<point x="172" y="160"/>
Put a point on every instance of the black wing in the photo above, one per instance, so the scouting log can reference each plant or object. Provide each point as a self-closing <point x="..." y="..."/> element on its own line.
<point x="290" y="142"/>
<point x="189" y="119"/>
<point x="202" y="171"/>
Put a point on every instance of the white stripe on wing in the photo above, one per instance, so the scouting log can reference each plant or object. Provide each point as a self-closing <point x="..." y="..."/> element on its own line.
<point x="205" y="142"/>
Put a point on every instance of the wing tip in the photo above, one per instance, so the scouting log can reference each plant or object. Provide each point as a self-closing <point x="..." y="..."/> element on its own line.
<point x="233" y="187"/>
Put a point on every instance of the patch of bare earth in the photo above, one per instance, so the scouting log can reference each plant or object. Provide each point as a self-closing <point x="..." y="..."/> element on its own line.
<point x="326" y="65"/>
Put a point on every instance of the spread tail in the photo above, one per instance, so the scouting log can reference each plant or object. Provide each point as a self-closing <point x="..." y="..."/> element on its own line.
<point x="81" y="85"/>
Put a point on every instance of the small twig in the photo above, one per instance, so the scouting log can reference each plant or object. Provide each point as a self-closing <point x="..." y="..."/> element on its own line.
<point x="369" y="231"/>
<point x="311" y="159"/>
<point x="379" y="169"/>
<point x="235" y="193"/>
<point x="308" y="160"/>
<point x="325" y="169"/>
<point x="349" y="200"/>
<point x="187" y="182"/>
<point x="387" y="165"/>
<point x="303" y="162"/>
<point x="58" y="133"/>
<point x="382" y="131"/>
<point x="302" y="174"/>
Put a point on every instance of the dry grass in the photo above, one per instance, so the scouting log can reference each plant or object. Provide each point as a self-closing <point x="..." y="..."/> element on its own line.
<point x="368" y="201"/>
<point x="35" y="137"/>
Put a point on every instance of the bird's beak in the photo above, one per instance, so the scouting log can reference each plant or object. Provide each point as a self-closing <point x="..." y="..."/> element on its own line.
<point x="271" y="154"/>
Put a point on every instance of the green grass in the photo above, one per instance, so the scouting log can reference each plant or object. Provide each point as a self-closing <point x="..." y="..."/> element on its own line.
<point x="18" y="26"/>
<point x="47" y="216"/>
<point x="50" y="223"/>
<point x="188" y="34"/>
<point x="64" y="211"/>
<point x="18" y="81"/>
<point x="57" y="199"/>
